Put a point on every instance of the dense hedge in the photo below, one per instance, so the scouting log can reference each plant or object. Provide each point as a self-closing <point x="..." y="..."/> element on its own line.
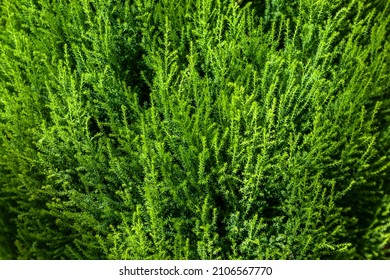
<point x="158" y="129"/>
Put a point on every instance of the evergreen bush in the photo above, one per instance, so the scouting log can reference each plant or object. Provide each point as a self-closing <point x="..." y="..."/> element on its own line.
<point x="203" y="129"/>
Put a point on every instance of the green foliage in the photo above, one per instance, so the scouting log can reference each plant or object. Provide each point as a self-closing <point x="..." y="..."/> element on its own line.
<point x="196" y="129"/>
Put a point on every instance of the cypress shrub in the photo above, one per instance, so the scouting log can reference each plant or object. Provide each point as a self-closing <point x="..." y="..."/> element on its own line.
<point x="203" y="129"/>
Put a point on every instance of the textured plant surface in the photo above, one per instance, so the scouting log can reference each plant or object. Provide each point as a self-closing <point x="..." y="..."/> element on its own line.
<point x="203" y="129"/>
